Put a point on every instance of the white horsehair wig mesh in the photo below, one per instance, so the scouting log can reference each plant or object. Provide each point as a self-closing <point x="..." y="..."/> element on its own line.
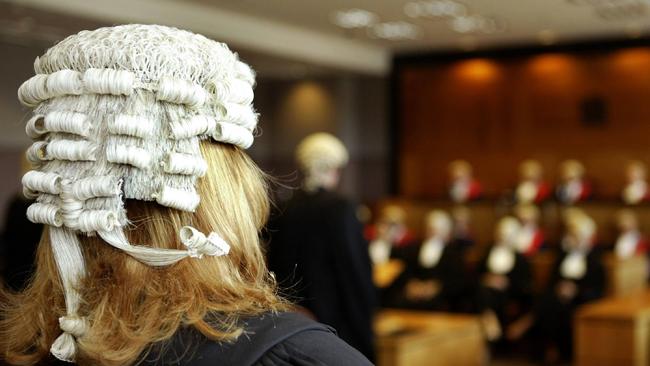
<point x="321" y="151"/>
<point x="317" y="154"/>
<point x="118" y="114"/>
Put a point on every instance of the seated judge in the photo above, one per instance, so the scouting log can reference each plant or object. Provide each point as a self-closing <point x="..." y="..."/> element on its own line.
<point x="505" y="290"/>
<point x="530" y="237"/>
<point x="630" y="241"/>
<point x="531" y="188"/>
<point x="578" y="277"/>
<point x="463" y="186"/>
<point x="573" y="187"/>
<point x="433" y="278"/>
<point x="636" y="189"/>
<point x="389" y="235"/>
<point x="317" y="250"/>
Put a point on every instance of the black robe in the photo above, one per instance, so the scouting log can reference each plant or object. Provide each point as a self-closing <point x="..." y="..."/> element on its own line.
<point x="449" y="272"/>
<point x="284" y="339"/>
<point x="553" y="316"/>
<point x="516" y="299"/>
<point x="320" y="260"/>
<point x="18" y="244"/>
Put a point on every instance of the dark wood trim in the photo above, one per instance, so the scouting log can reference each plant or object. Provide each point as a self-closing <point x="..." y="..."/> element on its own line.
<point x="394" y="112"/>
<point x="585" y="47"/>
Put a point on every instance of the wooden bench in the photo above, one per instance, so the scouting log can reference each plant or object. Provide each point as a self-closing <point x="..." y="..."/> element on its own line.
<point x="422" y="338"/>
<point x="626" y="276"/>
<point x="614" y="331"/>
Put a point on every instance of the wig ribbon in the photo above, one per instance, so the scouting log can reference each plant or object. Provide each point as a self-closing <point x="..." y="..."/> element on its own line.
<point x="70" y="263"/>
<point x="198" y="245"/>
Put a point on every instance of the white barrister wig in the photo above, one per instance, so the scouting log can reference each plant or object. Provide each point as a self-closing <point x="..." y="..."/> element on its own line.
<point x="320" y="152"/>
<point x="118" y="114"/>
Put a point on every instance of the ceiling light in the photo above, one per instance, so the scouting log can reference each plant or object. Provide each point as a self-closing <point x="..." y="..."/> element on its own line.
<point x="435" y="9"/>
<point x="477" y="69"/>
<point x="465" y="24"/>
<point x="354" y="18"/>
<point x="491" y="25"/>
<point x="395" y="31"/>
<point x="622" y="10"/>
<point x="591" y="2"/>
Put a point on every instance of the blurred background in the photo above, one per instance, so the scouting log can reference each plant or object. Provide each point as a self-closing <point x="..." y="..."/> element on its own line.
<point x="409" y="87"/>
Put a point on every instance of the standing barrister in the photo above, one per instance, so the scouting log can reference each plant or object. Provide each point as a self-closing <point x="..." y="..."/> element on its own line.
<point x="317" y="250"/>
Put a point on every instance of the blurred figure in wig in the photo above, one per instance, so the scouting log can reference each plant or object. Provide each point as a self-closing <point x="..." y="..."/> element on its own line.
<point x="636" y="189"/>
<point x="317" y="249"/>
<point x="389" y="236"/>
<point x="463" y="187"/>
<point x="434" y="275"/>
<point x="531" y="188"/>
<point x="505" y="281"/>
<point x="573" y="187"/>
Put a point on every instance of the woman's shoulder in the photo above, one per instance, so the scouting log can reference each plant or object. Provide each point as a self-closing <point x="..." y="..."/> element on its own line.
<point x="271" y="339"/>
<point x="313" y="347"/>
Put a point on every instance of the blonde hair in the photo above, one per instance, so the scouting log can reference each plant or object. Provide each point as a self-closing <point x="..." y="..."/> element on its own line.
<point x="131" y="306"/>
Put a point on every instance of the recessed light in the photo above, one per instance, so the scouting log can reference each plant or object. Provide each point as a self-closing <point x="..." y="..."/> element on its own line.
<point x="622" y="10"/>
<point x="435" y="9"/>
<point x="354" y="18"/>
<point x="465" y="24"/>
<point x="395" y="31"/>
<point x="588" y="2"/>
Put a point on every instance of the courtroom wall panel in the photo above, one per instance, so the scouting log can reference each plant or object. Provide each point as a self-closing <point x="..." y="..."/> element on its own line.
<point x="497" y="111"/>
